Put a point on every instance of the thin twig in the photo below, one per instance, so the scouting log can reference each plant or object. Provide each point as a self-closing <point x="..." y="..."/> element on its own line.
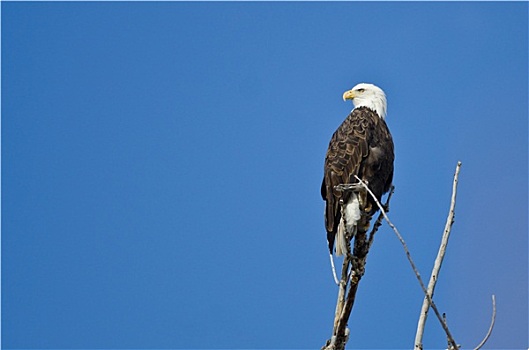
<point x="445" y="321"/>
<point x="438" y="262"/>
<point x="415" y="270"/>
<point x="491" y="324"/>
<point x="334" y="271"/>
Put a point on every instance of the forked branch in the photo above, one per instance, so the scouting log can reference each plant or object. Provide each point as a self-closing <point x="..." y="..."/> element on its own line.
<point x="354" y="264"/>
<point x="451" y="340"/>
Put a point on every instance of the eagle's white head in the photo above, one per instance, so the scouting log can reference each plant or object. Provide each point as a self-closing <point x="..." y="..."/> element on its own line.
<point x="368" y="95"/>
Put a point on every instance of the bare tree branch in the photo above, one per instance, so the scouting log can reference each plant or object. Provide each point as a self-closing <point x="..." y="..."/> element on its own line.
<point x="354" y="266"/>
<point x="491" y="324"/>
<point x="352" y="271"/>
<point x="437" y="265"/>
<point x="417" y="274"/>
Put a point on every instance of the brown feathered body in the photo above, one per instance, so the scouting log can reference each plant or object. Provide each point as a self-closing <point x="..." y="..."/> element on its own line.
<point x="362" y="146"/>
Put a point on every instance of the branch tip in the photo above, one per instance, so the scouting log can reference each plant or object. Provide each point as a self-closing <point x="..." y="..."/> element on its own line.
<point x="493" y="320"/>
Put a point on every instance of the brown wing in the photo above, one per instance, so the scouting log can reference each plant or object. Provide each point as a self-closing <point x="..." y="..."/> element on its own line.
<point x="378" y="166"/>
<point x="356" y="148"/>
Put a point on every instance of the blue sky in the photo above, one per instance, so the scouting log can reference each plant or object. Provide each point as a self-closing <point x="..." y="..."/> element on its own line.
<point x="162" y="162"/>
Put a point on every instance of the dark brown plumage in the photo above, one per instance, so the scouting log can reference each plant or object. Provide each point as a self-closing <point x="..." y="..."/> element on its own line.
<point x="362" y="145"/>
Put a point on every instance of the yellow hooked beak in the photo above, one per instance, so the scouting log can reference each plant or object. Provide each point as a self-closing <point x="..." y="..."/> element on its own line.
<point x="348" y="95"/>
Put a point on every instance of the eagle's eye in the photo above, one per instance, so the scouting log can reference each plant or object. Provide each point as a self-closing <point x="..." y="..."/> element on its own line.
<point x="361" y="90"/>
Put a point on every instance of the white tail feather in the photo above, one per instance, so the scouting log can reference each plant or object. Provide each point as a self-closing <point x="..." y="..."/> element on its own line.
<point x="352" y="215"/>
<point x="341" y="245"/>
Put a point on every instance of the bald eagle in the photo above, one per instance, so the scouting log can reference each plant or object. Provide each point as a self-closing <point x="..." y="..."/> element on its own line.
<point x="362" y="146"/>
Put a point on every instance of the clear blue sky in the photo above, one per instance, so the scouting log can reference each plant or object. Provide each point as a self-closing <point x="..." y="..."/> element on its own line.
<point x="162" y="162"/>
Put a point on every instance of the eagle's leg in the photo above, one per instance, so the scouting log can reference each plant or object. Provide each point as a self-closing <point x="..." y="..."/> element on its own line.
<point x="365" y="204"/>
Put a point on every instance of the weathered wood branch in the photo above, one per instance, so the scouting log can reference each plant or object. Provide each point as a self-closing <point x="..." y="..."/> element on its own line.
<point x="437" y="265"/>
<point x="413" y="266"/>
<point x="353" y="268"/>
